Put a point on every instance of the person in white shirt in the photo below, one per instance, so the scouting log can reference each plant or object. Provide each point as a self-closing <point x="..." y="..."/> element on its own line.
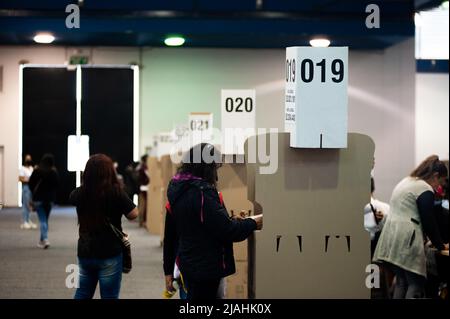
<point x="375" y="214"/>
<point x="24" y="176"/>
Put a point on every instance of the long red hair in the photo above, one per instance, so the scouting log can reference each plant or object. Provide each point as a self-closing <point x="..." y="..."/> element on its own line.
<point x="99" y="178"/>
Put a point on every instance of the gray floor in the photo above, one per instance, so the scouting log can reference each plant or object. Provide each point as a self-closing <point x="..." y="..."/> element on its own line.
<point x="30" y="272"/>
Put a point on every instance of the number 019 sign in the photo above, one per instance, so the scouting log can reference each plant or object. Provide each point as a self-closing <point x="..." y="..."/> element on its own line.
<point x="316" y="98"/>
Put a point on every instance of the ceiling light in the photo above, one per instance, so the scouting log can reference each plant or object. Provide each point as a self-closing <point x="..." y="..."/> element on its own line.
<point x="44" y="38"/>
<point x="320" y="43"/>
<point x="174" y="41"/>
<point x="445" y="5"/>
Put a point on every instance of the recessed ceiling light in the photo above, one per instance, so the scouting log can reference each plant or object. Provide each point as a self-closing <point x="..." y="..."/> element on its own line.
<point x="320" y="43"/>
<point x="174" y="41"/>
<point x="44" y="38"/>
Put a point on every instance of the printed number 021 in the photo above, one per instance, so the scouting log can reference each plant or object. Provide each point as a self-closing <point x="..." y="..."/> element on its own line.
<point x="199" y="125"/>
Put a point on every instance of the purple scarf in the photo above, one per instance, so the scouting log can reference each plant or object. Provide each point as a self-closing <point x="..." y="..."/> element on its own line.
<point x="185" y="177"/>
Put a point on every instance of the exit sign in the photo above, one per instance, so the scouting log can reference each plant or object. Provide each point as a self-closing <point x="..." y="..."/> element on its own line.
<point x="79" y="59"/>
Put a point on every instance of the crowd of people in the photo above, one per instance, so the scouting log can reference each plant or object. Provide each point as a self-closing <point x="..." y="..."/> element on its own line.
<point x="407" y="235"/>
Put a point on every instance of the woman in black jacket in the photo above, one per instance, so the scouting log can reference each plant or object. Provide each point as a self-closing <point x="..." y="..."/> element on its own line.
<point x="199" y="233"/>
<point x="43" y="184"/>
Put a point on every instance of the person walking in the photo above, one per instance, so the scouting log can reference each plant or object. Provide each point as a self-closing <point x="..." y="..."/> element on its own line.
<point x="100" y="202"/>
<point x="43" y="184"/>
<point x="24" y="177"/>
<point x="144" y="181"/>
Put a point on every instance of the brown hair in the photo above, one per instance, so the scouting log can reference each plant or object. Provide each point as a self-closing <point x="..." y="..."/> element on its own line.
<point x="99" y="178"/>
<point x="429" y="167"/>
<point x="99" y="186"/>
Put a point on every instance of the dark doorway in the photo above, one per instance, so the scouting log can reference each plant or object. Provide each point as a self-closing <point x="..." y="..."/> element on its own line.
<point x="49" y="116"/>
<point x="107" y="112"/>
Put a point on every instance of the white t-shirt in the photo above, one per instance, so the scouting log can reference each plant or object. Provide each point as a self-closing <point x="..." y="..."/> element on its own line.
<point x="26" y="172"/>
<point x="370" y="223"/>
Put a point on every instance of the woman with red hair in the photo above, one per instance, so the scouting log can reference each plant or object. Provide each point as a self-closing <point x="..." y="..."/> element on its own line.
<point x="100" y="201"/>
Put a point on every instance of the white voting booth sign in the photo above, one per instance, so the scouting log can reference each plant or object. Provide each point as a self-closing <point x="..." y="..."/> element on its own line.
<point x="201" y="127"/>
<point x="316" y="98"/>
<point x="238" y="109"/>
<point x="165" y="142"/>
<point x="77" y="152"/>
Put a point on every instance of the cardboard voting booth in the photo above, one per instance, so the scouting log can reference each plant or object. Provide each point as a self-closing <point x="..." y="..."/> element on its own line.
<point x="238" y="110"/>
<point x="161" y="171"/>
<point x="233" y="185"/>
<point x="155" y="196"/>
<point x="166" y="173"/>
<point x="313" y="243"/>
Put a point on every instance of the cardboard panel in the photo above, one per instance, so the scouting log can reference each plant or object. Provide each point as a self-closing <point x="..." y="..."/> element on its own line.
<point x="154" y="168"/>
<point x="155" y="206"/>
<point x="233" y="185"/>
<point x="237" y="284"/>
<point x="155" y="198"/>
<point x="313" y="194"/>
<point x="167" y="171"/>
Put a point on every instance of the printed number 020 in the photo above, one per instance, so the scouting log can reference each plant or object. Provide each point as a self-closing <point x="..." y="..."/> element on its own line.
<point x="247" y="103"/>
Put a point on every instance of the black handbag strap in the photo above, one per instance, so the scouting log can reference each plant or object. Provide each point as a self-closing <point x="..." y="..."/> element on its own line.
<point x="119" y="234"/>
<point x="37" y="186"/>
<point x="374" y="211"/>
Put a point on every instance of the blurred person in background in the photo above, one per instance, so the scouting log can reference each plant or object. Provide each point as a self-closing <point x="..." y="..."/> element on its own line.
<point x="375" y="214"/>
<point x="131" y="180"/>
<point x="144" y="181"/>
<point x="24" y="176"/>
<point x="410" y="221"/>
<point x="43" y="184"/>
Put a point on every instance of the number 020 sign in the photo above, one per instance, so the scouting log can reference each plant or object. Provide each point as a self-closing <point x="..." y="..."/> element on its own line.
<point x="238" y="119"/>
<point x="316" y="98"/>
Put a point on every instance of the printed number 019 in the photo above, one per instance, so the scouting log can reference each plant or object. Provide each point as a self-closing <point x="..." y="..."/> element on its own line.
<point x="307" y="70"/>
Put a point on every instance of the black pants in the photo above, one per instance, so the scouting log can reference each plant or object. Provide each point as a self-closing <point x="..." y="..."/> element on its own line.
<point x="202" y="289"/>
<point x="408" y="285"/>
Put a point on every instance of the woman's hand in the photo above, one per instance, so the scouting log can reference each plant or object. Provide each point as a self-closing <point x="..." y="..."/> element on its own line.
<point x="133" y="214"/>
<point x="379" y="215"/>
<point x="259" y="221"/>
<point x="169" y="280"/>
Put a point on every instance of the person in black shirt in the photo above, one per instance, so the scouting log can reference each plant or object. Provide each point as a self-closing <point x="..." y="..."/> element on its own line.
<point x="100" y="201"/>
<point x="43" y="184"/>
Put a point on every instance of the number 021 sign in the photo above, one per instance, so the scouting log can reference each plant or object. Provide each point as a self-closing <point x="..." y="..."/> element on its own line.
<point x="316" y="98"/>
<point x="201" y="126"/>
<point x="238" y="109"/>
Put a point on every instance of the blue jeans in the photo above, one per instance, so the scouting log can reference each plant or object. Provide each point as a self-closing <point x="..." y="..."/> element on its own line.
<point x="26" y="198"/>
<point x="108" y="272"/>
<point x="43" y="211"/>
